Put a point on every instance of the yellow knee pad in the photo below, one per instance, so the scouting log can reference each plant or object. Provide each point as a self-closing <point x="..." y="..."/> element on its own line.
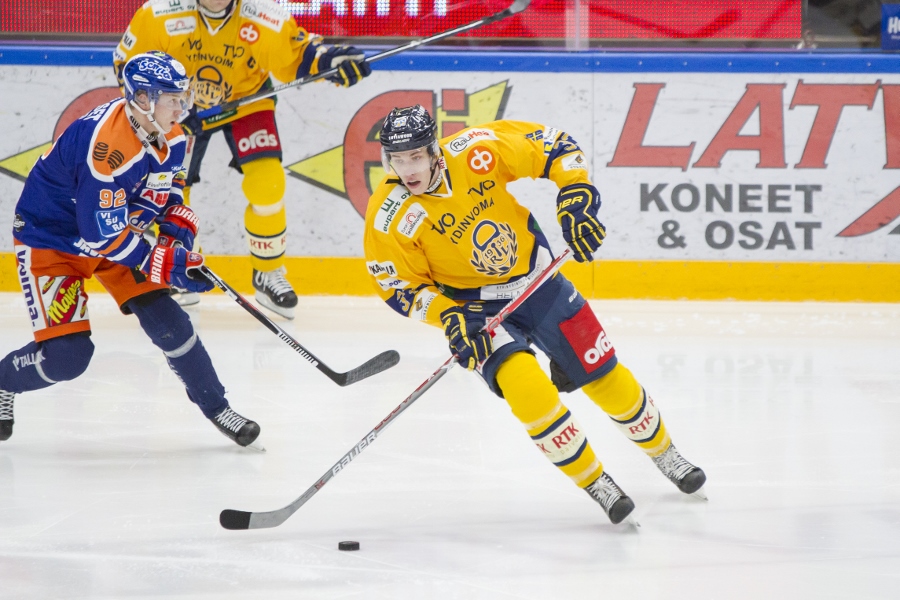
<point x="631" y="408"/>
<point x="535" y="401"/>
<point x="263" y="183"/>
<point x="265" y="219"/>
<point x="527" y="389"/>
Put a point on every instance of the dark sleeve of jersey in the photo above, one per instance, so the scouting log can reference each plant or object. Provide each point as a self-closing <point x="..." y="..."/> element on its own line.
<point x="565" y="144"/>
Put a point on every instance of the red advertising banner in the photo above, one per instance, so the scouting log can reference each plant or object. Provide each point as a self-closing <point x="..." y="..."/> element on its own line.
<point x="544" y="19"/>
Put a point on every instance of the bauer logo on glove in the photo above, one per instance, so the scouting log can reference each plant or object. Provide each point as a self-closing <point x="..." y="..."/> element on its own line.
<point x="576" y="211"/>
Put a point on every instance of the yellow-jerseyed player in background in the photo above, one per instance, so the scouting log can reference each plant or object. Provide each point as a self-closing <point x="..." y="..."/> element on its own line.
<point x="230" y="47"/>
<point x="445" y="243"/>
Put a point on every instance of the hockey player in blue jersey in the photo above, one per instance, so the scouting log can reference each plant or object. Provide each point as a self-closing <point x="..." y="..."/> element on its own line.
<point x="82" y="214"/>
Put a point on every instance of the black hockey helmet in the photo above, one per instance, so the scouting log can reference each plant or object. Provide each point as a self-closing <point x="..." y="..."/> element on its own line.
<point x="407" y="129"/>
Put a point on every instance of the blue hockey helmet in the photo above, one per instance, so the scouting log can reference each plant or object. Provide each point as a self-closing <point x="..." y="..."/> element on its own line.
<point x="156" y="73"/>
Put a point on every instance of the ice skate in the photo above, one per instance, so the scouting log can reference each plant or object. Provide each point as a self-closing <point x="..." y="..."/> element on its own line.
<point x="240" y="430"/>
<point x="274" y="292"/>
<point x="6" y="415"/>
<point x="184" y="297"/>
<point x="610" y="496"/>
<point x="687" y="477"/>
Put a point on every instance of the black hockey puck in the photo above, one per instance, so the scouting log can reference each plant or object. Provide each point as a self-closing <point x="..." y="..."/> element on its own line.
<point x="348" y="545"/>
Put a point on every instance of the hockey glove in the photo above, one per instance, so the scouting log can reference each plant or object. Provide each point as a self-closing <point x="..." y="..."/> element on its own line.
<point x="463" y="326"/>
<point x="179" y="224"/>
<point x="192" y="124"/>
<point x="350" y="62"/>
<point x="176" y="267"/>
<point x="576" y="211"/>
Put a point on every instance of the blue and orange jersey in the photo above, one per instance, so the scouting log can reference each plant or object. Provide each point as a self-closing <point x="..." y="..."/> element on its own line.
<point x="98" y="188"/>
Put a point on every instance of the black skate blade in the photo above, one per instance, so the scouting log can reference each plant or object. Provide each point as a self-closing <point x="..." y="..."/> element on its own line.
<point x="234" y="519"/>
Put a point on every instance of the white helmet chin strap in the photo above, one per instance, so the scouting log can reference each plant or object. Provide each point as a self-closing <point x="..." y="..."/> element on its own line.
<point x="145" y="138"/>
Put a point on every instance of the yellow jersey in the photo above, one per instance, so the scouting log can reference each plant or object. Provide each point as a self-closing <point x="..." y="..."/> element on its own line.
<point x="227" y="58"/>
<point x="469" y="239"/>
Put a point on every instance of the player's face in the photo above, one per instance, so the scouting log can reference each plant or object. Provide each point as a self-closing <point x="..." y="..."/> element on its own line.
<point x="215" y="5"/>
<point x="170" y="108"/>
<point x="414" y="168"/>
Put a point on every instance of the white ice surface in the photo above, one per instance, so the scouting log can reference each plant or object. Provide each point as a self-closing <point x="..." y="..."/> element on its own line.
<point x="112" y="484"/>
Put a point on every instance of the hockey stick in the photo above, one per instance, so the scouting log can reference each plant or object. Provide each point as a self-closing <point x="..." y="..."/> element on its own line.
<point x="375" y="365"/>
<point x="239" y="519"/>
<point x="514" y="8"/>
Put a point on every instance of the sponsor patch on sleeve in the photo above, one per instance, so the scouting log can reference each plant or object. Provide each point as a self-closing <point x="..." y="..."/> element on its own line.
<point x="550" y="138"/>
<point x="381" y="268"/>
<point x="392" y="283"/>
<point x="420" y="306"/>
<point x="574" y="161"/>
<point x="128" y="39"/>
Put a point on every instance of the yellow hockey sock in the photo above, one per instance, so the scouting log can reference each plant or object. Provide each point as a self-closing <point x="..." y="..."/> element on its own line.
<point x="535" y="402"/>
<point x="265" y="219"/>
<point x="632" y="410"/>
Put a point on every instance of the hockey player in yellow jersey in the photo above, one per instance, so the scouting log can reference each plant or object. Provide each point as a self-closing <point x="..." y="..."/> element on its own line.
<point x="230" y="47"/>
<point x="447" y="244"/>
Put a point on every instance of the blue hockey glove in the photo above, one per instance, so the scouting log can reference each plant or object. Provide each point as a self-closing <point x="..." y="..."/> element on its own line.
<point x="179" y="224"/>
<point x="350" y="62"/>
<point x="192" y="124"/>
<point x="463" y="327"/>
<point x="576" y="211"/>
<point x="176" y="267"/>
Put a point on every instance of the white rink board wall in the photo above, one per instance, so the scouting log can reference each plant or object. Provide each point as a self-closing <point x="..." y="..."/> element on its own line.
<point x="690" y="165"/>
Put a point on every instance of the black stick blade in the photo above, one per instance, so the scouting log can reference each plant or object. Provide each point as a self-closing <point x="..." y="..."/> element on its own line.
<point x="373" y="366"/>
<point x="234" y="519"/>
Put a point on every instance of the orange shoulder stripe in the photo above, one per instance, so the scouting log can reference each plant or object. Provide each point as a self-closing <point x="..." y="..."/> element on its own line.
<point x="115" y="144"/>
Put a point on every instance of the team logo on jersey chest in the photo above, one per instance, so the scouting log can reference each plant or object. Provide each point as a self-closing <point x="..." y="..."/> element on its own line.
<point x="496" y="248"/>
<point x="210" y="88"/>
